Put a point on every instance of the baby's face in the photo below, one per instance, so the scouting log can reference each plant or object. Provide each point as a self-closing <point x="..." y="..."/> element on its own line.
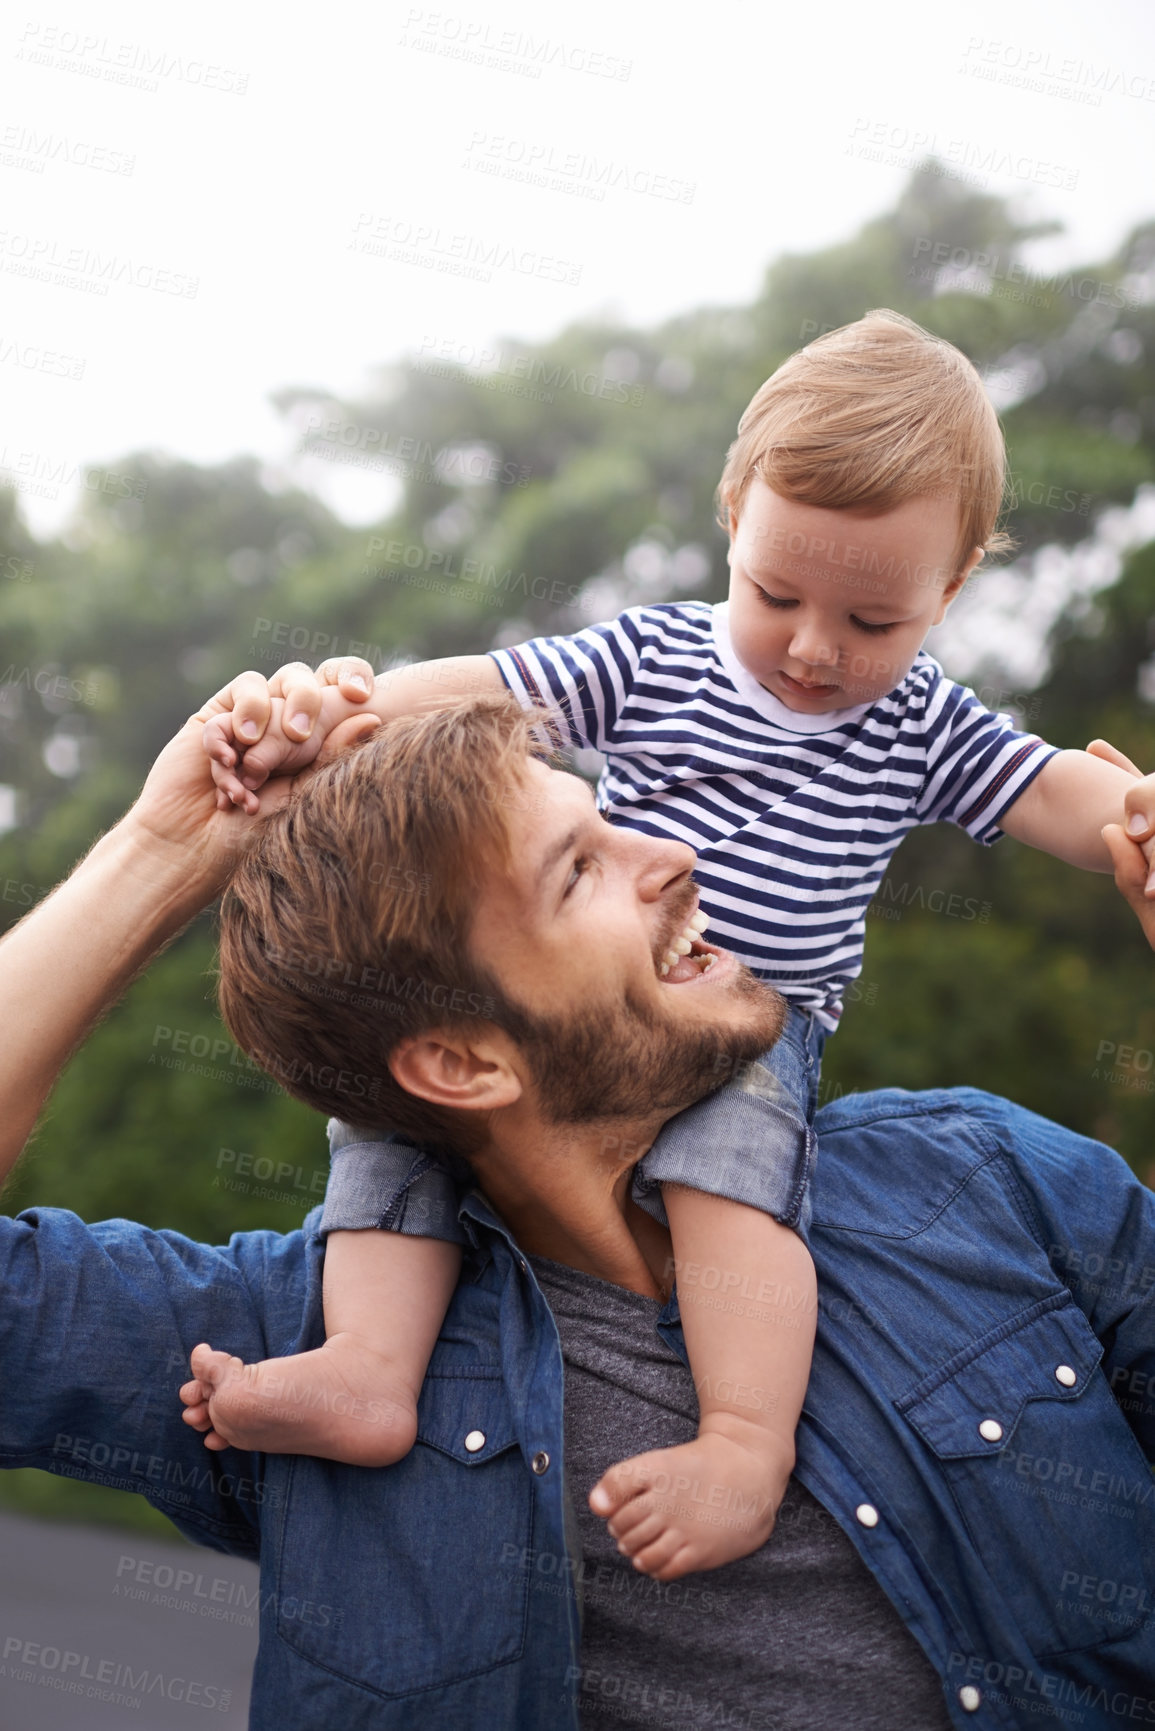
<point x="829" y="608"/>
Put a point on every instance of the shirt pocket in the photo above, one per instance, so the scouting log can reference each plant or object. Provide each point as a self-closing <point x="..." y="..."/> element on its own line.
<point x="1049" y="1481"/>
<point x="402" y="1555"/>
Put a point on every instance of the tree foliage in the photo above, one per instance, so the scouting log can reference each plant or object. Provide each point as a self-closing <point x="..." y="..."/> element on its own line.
<point x="558" y="483"/>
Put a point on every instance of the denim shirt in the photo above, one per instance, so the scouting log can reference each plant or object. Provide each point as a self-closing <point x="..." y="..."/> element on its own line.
<point x="979" y="1421"/>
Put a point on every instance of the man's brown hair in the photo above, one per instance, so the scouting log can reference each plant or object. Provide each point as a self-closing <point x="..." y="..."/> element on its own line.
<point x="868" y="416"/>
<point x="346" y="927"/>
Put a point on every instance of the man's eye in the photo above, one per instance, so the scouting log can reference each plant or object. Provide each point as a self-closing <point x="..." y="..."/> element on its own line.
<point x="871" y="630"/>
<point x="774" y="600"/>
<point x="579" y="866"/>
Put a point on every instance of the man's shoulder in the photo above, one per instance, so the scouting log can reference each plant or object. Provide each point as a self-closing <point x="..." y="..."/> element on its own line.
<point x="853" y="1111"/>
<point x="901" y="1135"/>
<point x="908" y="1129"/>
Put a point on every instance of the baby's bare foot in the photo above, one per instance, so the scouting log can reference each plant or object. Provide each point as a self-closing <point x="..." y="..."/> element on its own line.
<point x="342" y="1402"/>
<point x="697" y="1506"/>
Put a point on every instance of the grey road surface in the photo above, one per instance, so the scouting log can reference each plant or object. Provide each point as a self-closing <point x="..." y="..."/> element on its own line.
<point x="108" y="1631"/>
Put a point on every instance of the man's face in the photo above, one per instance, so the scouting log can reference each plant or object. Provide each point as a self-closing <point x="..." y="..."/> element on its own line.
<point x="577" y="934"/>
<point x="828" y="609"/>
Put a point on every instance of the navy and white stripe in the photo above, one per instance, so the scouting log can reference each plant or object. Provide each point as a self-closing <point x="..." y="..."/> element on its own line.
<point x="794" y="817"/>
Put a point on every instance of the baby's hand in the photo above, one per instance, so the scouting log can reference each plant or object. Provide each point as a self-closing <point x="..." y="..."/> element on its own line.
<point x="277" y="726"/>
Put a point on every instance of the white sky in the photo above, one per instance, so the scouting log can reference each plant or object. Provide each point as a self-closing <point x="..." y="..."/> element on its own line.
<point x="358" y="119"/>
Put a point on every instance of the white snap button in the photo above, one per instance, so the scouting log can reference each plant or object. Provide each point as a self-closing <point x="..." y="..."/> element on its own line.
<point x="540" y="1462"/>
<point x="991" y="1430"/>
<point x="1065" y="1375"/>
<point x="475" y="1440"/>
<point x="867" y="1514"/>
<point x="969" y="1698"/>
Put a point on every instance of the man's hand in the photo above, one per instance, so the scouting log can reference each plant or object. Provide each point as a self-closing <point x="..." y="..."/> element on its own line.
<point x="179" y="808"/>
<point x="260" y="728"/>
<point x="70" y="959"/>
<point x="1132" y="843"/>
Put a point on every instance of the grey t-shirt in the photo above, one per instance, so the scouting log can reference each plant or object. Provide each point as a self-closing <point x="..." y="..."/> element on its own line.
<point x="797" y="1637"/>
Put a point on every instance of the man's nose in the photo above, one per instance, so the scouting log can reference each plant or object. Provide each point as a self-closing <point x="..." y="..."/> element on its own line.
<point x="661" y="865"/>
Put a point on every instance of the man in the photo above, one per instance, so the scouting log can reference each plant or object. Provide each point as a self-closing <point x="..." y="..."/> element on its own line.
<point x="970" y="1534"/>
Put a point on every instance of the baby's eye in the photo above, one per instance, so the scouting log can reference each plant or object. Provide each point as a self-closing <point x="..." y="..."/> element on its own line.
<point x="871" y="630"/>
<point x="774" y="600"/>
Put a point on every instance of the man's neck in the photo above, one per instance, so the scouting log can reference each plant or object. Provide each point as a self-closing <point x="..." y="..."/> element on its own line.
<point x="565" y="1195"/>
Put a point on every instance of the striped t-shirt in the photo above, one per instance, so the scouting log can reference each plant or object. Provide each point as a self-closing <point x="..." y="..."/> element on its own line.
<point x="793" y="817"/>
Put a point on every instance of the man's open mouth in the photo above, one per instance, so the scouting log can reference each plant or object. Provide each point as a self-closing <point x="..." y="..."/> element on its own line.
<point x="687" y="957"/>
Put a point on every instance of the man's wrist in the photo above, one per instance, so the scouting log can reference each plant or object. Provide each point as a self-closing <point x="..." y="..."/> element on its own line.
<point x="172" y="882"/>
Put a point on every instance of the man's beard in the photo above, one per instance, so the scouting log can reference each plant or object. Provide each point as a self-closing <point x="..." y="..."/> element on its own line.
<point x="623" y="1060"/>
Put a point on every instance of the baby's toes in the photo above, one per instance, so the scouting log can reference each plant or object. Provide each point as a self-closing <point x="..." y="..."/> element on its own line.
<point x="667" y="1558"/>
<point x="616" y="1488"/>
<point x="638" y="1524"/>
<point x="209" y="1366"/>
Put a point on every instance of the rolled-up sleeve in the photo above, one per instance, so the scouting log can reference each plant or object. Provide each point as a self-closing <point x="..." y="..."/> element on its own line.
<point x="96" y="1326"/>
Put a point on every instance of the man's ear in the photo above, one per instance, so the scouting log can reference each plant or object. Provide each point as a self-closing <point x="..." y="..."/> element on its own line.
<point x="451" y="1068"/>
<point x="958" y="582"/>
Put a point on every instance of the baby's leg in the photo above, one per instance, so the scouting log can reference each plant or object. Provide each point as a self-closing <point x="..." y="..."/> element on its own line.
<point x="748" y="1299"/>
<point x="355" y="1398"/>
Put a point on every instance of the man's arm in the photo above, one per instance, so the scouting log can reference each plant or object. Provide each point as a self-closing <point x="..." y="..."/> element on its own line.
<point x="70" y="959"/>
<point x="96" y="1327"/>
<point x="97" y="1322"/>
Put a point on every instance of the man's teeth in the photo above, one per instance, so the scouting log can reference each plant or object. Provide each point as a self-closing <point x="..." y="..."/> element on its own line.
<point x="683" y="944"/>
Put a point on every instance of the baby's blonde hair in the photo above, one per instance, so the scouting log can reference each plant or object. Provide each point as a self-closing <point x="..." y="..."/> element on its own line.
<point x="868" y="416"/>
